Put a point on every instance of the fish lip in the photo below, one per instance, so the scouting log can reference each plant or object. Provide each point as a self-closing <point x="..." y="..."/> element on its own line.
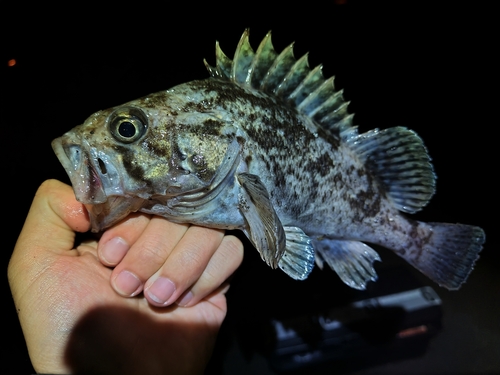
<point x="116" y="208"/>
<point x="81" y="169"/>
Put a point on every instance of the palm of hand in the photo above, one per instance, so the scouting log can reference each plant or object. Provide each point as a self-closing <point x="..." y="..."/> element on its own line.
<point x="75" y="322"/>
<point x="110" y="333"/>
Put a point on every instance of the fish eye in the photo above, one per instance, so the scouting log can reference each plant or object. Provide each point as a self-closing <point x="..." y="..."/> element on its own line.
<point x="128" y="124"/>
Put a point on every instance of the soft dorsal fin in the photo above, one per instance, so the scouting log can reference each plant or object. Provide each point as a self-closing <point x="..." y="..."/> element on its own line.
<point x="286" y="77"/>
<point x="399" y="159"/>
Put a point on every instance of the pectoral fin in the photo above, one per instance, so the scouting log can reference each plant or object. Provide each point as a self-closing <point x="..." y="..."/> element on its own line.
<point x="263" y="224"/>
<point x="298" y="260"/>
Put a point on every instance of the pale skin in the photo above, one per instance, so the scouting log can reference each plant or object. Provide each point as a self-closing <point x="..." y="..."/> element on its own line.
<point x="97" y="308"/>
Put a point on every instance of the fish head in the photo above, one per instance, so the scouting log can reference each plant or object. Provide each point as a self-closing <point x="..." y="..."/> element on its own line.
<point x="122" y="158"/>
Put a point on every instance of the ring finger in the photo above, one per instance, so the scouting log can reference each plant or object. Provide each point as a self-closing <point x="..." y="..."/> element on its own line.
<point x="185" y="264"/>
<point x="221" y="266"/>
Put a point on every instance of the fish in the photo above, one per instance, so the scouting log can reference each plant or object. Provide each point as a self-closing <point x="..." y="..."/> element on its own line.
<point x="266" y="145"/>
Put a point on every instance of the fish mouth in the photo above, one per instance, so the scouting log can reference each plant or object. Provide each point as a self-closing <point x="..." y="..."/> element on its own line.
<point x="84" y="171"/>
<point x="81" y="169"/>
<point x="96" y="181"/>
<point x="104" y="215"/>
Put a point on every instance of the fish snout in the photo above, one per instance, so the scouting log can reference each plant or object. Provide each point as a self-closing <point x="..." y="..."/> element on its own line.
<point x="84" y="176"/>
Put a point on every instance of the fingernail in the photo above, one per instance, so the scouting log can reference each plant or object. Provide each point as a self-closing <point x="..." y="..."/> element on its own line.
<point x="185" y="299"/>
<point x="127" y="284"/>
<point x="161" y="290"/>
<point x="113" y="251"/>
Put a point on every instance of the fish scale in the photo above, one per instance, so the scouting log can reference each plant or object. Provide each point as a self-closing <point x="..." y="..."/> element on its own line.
<point x="266" y="145"/>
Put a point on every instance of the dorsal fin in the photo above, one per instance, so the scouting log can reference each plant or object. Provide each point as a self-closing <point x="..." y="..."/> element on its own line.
<point x="396" y="156"/>
<point x="399" y="159"/>
<point x="286" y="77"/>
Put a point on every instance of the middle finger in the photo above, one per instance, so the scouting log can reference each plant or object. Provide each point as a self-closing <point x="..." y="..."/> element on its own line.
<point x="146" y="255"/>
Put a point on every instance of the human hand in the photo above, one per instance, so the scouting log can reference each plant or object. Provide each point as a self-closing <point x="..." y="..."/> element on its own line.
<point x="169" y="262"/>
<point x="74" y="322"/>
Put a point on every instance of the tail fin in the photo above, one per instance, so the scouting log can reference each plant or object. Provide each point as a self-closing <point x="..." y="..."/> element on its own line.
<point x="450" y="253"/>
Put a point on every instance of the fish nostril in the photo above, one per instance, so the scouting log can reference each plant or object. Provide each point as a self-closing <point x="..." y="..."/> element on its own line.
<point x="102" y="166"/>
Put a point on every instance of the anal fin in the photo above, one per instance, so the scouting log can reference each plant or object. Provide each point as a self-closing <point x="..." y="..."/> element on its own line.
<point x="351" y="260"/>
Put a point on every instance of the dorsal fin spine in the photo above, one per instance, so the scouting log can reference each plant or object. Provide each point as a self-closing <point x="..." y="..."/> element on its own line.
<point x="297" y="73"/>
<point x="334" y="102"/>
<point x="314" y="101"/>
<point x="308" y="86"/>
<point x="242" y="61"/>
<point x="278" y="70"/>
<point x="285" y="77"/>
<point x="223" y="63"/>
<point x="264" y="57"/>
<point x="213" y="71"/>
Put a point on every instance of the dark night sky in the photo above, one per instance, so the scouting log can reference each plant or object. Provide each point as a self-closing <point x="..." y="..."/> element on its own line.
<point x="425" y="68"/>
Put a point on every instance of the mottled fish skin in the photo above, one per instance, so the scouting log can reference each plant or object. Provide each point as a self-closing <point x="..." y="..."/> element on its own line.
<point x="266" y="146"/>
<point x="315" y="182"/>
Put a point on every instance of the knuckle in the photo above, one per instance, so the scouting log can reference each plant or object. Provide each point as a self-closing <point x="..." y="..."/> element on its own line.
<point x="152" y="248"/>
<point x="193" y="256"/>
<point x="233" y="246"/>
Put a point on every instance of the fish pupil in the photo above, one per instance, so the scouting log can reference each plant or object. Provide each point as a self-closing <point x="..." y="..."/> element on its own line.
<point x="126" y="129"/>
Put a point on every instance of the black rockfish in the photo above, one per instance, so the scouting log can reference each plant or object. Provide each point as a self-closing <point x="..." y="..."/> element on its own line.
<point x="266" y="145"/>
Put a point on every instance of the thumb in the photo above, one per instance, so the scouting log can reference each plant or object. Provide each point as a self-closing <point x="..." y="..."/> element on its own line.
<point x="50" y="226"/>
<point x="47" y="237"/>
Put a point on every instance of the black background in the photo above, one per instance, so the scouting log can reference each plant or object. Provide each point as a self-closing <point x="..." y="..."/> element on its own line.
<point x="424" y="66"/>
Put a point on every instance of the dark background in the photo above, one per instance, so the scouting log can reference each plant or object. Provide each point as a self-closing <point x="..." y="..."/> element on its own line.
<point x="424" y="66"/>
